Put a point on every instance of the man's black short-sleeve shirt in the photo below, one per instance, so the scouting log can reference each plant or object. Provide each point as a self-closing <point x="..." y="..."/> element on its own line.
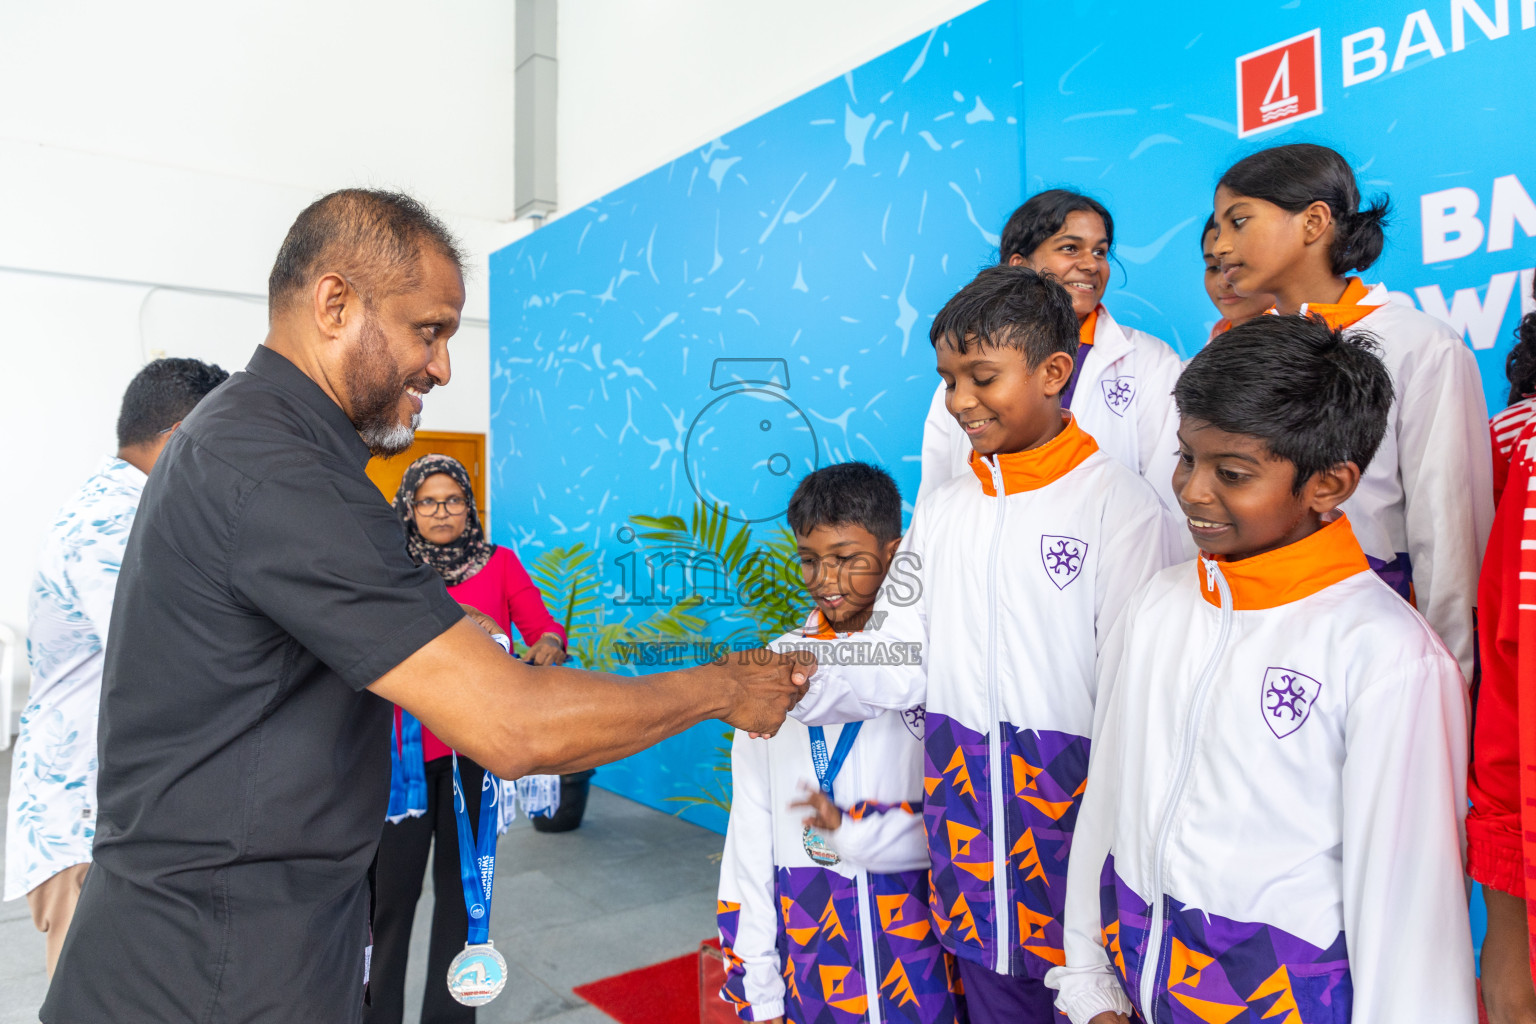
<point x="244" y="765"/>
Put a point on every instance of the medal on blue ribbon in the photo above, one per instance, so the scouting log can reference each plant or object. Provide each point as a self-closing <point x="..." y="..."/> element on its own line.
<point x="827" y="769"/>
<point x="479" y="973"/>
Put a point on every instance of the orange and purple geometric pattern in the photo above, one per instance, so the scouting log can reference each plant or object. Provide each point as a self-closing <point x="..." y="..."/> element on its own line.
<point x="1046" y="775"/>
<point x="1214" y="970"/>
<point x="822" y="955"/>
<point x="1043" y="778"/>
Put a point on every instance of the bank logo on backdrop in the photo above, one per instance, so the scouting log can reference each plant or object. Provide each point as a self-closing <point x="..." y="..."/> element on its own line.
<point x="1280" y="84"/>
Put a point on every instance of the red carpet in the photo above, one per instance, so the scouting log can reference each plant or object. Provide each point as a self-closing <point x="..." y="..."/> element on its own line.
<point x="664" y="993"/>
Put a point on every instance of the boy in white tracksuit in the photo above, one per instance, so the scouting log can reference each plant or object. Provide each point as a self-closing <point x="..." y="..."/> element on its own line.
<point x="1011" y="576"/>
<point x="1273" y="821"/>
<point x="830" y="925"/>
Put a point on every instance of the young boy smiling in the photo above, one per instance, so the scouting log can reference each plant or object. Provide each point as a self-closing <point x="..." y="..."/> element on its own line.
<point x="1021" y="567"/>
<point x="825" y="918"/>
<point x="1272" y="826"/>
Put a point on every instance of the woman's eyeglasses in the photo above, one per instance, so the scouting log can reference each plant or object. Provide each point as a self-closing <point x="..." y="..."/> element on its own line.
<point x="453" y="506"/>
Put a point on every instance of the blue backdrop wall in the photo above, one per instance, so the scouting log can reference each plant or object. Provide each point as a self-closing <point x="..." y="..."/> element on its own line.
<point x="1143" y="113"/>
<point x="821" y="238"/>
<point x="818" y="241"/>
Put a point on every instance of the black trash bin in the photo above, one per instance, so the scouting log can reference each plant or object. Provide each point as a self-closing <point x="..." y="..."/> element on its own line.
<point x="573" y="803"/>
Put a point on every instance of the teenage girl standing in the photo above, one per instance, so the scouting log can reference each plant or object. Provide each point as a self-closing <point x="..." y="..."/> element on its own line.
<point x="1289" y="222"/>
<point x="1121" y="391"/>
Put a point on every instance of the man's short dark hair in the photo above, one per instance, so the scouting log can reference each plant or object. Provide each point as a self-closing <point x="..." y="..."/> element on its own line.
<point x="1009" y="307"/>
<point x="847" y="494"/>
<point x="161" y="395"/>
<point x="1313" y="395"/>
<point x="372" y="237"/>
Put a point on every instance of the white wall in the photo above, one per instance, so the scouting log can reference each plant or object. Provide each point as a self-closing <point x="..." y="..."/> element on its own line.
<point x="643" y="83"/>
<point x="153" y="153"/>
<point x="158" y="147"/>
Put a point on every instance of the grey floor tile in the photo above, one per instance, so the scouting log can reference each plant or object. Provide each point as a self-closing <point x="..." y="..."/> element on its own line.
<point x="21" y="951"/>
<point x="615" y="943"/>
<point x="582" y="1015"/>
<point x="532" y="901"/>
<point x="631" y="887"/>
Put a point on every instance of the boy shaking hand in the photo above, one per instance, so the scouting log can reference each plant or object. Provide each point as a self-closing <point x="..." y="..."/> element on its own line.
<point x="1013" y="576"/>
<point x="828" y="920"/>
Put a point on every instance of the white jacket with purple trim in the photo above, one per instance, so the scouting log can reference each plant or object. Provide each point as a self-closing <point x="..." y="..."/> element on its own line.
<point x="1273" y="825"/>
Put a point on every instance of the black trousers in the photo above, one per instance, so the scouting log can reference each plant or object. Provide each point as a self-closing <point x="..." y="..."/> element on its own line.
<point x="402" y="864"/>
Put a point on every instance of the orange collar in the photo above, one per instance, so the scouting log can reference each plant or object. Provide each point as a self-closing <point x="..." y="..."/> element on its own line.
<point x="1347" y="311"/>
<point x="1033" y="469"/>
<point x="1085" y="332"/>
<point x="1290" y="573"/>
<point x="1222" y="327"/>
<point x="820" y="629"/>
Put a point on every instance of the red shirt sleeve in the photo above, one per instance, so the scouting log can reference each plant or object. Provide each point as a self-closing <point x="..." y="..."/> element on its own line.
<point x="1500" y="464"/>
<point x="524" y="601"/>
<point x="1494" y="849"/>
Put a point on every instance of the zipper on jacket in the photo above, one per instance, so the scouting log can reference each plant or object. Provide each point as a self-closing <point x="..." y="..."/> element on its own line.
<point x="1001" y="916"/>
<point x="1152" y="961"/>
<point x="867" y="945"/>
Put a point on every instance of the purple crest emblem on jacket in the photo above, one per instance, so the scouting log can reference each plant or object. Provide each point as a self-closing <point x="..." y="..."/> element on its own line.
<point x="1062" y="557"/>
<point x="915" y="719"/>
<point x="1287" y="699"/>
<point x="1118" y="392"/>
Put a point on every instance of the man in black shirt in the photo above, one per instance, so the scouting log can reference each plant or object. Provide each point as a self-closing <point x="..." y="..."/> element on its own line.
<point x="266" y="615"/>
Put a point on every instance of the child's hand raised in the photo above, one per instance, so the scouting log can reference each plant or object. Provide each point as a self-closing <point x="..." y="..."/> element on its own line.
<point x="824" y="815"/>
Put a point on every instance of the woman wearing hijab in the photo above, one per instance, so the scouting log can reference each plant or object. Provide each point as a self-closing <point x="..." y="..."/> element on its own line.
<point x="436" y="503"/>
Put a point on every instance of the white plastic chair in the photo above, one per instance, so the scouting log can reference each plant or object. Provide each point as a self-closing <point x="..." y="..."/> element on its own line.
<point x="10" y="641"/>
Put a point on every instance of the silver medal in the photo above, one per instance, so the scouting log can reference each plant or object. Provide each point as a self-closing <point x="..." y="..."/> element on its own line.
<point x="477" y="975"/>
<point x="817" y="849"/>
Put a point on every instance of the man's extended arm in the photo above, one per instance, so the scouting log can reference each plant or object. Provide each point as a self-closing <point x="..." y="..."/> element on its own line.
<point x="516" y="719"/>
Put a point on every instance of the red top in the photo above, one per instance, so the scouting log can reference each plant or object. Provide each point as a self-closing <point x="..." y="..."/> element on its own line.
<point x="504" y="592"/>
<point x="1503" y="431"/>
<point x="1501" y="826"/>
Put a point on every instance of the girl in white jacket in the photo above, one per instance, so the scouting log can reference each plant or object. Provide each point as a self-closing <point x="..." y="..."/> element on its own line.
<point x="1272" y="827"/>
<point x="1289" y="222"/>
<point x="1121" y="388"/>
<point x="831" y="924"/>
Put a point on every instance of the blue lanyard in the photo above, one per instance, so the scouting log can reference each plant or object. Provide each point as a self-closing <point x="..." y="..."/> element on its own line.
<point x="827" y="770"/>
<point x="477" y="855"/>
<point x="407" y="774"/>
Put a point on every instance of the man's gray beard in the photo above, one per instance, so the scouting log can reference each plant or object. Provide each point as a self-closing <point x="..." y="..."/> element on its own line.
<point x="372" y="376"/>
<point x="387" y="439"/>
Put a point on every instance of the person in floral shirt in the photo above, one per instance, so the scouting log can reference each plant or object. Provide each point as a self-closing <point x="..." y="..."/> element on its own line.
<point x="52" y="812"/>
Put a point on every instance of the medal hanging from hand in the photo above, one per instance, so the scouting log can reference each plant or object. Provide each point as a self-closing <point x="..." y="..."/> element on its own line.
<point x="479" y="973"/>
<point x="827" y="770"/>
